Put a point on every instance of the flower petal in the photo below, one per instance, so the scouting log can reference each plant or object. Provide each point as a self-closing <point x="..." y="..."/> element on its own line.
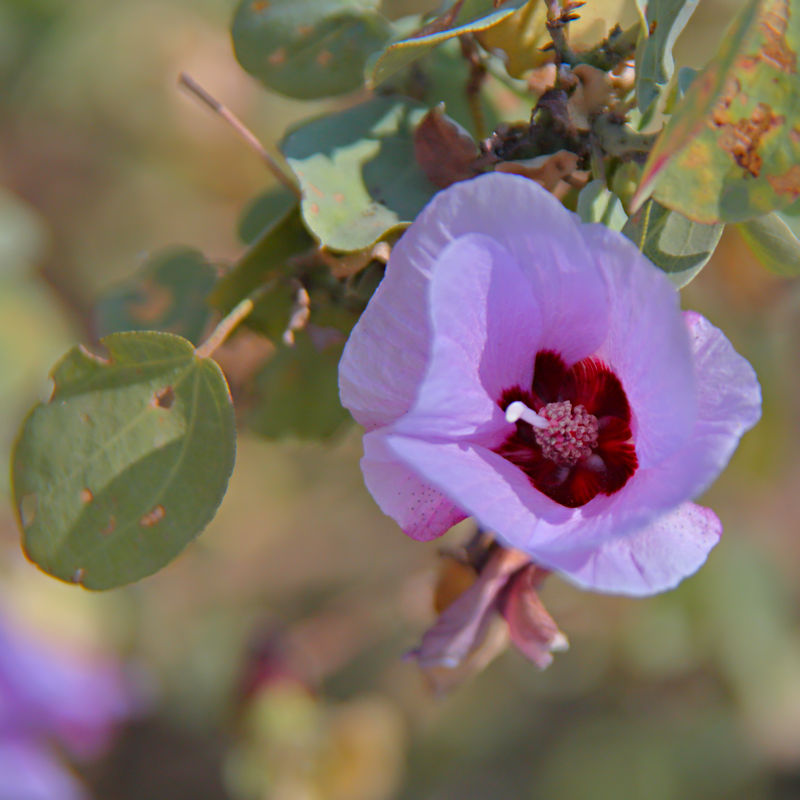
<point x="647" y="346"/>
<point x="728" y="405"/>
<point x="422" y="512"/>
<point x="462" y="626"/>
<point x="651" y="560"/>
<point x="533" y="631"/>
<point x="387" y="353"/>
<point x="486" y="328"/>
<point x="500" y="496"/>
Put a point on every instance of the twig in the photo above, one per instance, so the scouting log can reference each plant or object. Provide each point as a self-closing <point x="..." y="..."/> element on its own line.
<point x="618" y="139"/>
<point x="477" y="75"/>
<point x="241" y="130"/>
<point x="225" y="327"/>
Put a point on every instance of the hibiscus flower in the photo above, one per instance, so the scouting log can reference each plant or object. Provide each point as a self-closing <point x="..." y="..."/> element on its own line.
<point x="536" y="373"/>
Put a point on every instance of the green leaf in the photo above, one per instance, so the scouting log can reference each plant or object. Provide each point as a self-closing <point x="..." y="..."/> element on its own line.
<point x="597" y="204"/>
<point x="358" y="173"/>
<point x="472" y="16"/>
<point x="126" y="463"/>
<point x="671" y="241"/>
<point x="167" y="294"/>
<point x="731" y="151"/>
<point x="267" y="263"/>
<point x="298" y="392"/>
<point x="263" y="211"/>
<point x="308" y="49"/>
<point x="774" y="242"/>
<point x="654" y="63"/>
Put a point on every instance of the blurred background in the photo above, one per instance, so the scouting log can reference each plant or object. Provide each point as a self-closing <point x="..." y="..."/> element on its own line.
<point x="270" y="653"/>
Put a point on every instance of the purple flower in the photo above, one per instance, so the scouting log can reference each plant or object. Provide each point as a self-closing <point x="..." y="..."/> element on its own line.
<point x="49" y="696"/>
<point x="536" y="373"/>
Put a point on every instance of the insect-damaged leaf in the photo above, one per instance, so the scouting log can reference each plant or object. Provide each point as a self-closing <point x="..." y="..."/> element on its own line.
<point x="308" y="48"/>
<point x="671" y="241"/>
<point x="167" y="294"/>
<point x="732" y="149"/>
<point x="461" y="17"/>
<point x="358" y="173"/>
<point x="126" y="463"/>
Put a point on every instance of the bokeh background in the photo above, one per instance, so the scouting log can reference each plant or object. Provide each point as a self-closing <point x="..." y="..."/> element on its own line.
<point x="693" y="695"/>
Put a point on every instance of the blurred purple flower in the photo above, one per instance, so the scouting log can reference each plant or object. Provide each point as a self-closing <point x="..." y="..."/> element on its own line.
<point x="536" y="373"/>
<point x="51" y="697"/>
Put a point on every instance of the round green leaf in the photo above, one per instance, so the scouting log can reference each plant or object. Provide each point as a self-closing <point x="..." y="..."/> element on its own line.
<point x="671" y="241"/>
<point x="773" y="242"/>
<point x="308" y="48"/>
<point x="358" y="172"/>
<point x="167" y="294"/>
<point x="126" y="463"/>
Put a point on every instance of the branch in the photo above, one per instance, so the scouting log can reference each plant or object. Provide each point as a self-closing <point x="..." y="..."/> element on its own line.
<point x="241" y="130"/>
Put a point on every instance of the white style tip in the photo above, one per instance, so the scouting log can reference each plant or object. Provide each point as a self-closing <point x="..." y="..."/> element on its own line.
<point x="519" y="411"/>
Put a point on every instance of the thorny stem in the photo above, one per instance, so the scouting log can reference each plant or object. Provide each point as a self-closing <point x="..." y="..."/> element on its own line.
<point x="618" y="46"/>
<point x="241" y="130"/>
<point x="227" y="325"/>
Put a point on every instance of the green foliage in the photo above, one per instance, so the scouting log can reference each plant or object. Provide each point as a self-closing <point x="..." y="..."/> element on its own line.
<point x="358" y="173"/>
<point x="262" y="212"/>
<point x="773" y="239"/>
<point x="731" y="151"/>
<point x="672" y="242"/>
<point x="126" y="463"/>
<point x="664" y="21"/>
<point x="167" y="294"/>
<point x="308" y="48"/>
<point x="597" y="204"/>
<point x="298" y="391"/>
<point x="472" y="16"/>
<point x="266" y="269"/>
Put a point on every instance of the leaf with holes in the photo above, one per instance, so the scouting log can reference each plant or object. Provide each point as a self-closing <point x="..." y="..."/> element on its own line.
<point x="460" y="18"/>
<point x="731" y="151"/>
<point x="773" y="239"/>
<point x="308" y="48"/>
<point x="358" y="173"/>
<point x="126" y="463"/>
<point x="167" y="294"/>
<point x="297" y="392"/>
<point x="665" y="19"/>
<point x="671" y="241"/>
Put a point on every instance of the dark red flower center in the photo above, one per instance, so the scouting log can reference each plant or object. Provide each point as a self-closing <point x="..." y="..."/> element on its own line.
<point x="573" y="433"/>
